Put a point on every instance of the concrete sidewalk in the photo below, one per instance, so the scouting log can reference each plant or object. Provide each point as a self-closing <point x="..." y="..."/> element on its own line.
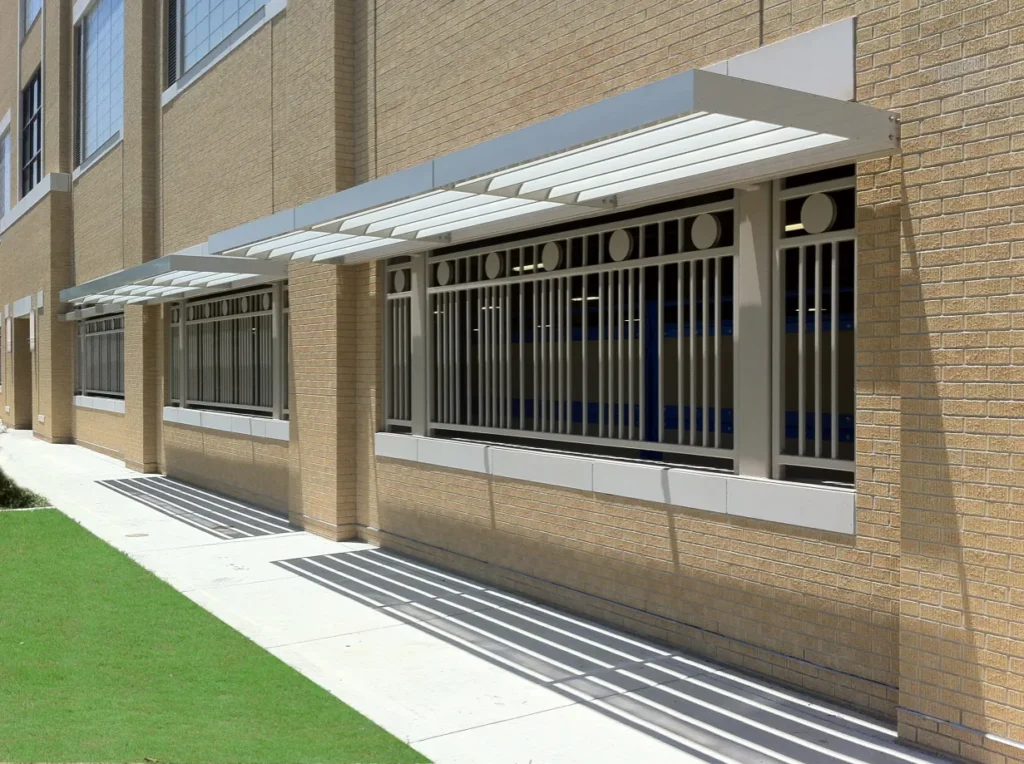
<point x="447" y="701"/>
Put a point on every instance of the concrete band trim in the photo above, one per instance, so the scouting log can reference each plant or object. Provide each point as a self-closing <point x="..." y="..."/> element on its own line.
<point x="97" y="403"/>
<point x="252" y="426"/>
<point x="828" y="509"/>
<point x="55" y="181"/>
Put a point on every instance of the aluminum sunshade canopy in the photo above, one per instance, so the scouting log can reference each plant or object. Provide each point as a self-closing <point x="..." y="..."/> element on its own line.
<point x="173" y="277"/>
<point x="692" y="132"/>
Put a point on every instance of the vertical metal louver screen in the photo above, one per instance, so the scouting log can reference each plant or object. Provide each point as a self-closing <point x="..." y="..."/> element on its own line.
<point x="228" y="352"/>
<point x="815" y="278"/>
<point x="101" y="357"/>
<point x="617" y="335"/>
<point x="172" y="41"/>
<point x="398" y="331"/>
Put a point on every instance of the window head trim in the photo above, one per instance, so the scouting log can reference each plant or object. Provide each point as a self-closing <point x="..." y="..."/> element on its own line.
<point x="178" y="78"/>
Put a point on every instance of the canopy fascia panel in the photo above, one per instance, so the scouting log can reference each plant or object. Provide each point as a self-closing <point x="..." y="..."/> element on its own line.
<point x="693" y="132"/>
<point x="172" y="277"/>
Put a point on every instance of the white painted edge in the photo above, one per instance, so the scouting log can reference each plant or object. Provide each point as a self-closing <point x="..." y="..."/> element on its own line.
<point x="22" y="306"/>
<point x="55" y="181"/>
<point x="831" y="47"/>
<point x="80" y="8"/>
<point x="824" y="508"/>
<point x="270" y="10"/>
<point x="5" y="122"/>
<point x="96" y="403"/>
<point x="218" y="421"/>
<point x="78" y="172"/>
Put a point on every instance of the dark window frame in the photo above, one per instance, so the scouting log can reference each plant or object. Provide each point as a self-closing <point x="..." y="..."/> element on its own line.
<point x="32" y="133"/>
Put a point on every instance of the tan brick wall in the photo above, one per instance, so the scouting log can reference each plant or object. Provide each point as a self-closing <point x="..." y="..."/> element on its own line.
<point x="324" y="342"/>
<point x="9" y="55"/>
<point x="450" y="75"/>
<point x="145" y="330"/>
<point x="99" y="219"/>
<point x="101" y="431"/>
<point x="217" y="163"/>
<point x="57" y="78"/>
<point x="250" y="468"/>
<point x="961" y="82"/>
<point x="34" y="257"/>
<point x="31" y="47"/>
<point x="812" y="609"/>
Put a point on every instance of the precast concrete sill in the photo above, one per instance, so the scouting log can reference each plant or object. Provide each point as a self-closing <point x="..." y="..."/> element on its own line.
<point x="808" y="506"/>
<point x="98" y="403"/>
<point x="238" y="424"/>
<point x="55" y="181"/>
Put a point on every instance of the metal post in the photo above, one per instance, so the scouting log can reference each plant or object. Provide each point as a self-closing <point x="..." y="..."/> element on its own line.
<point x="753" y="333"/>
<point x="278" y="363"/>
<point x="182" y="355"/>
<point x="418" y="351"/>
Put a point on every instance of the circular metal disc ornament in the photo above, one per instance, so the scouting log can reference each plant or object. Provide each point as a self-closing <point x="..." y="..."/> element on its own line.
<point x="620" y="245"/>
<point x="492" y="265"/>
<point x="551" y="256"/>
<point x="399" y="281"/>
<point x="706" y="231"/>
<point x="443" y="273"/>
<point x="818" y="213"/>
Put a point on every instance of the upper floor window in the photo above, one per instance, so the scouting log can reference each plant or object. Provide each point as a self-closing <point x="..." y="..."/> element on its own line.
<point x="31" y="134"/>
<point x="100" y="71"/>
<point x="197" y="27"/>
<point x="29" y="11"/>
<point x="5" y="173"/>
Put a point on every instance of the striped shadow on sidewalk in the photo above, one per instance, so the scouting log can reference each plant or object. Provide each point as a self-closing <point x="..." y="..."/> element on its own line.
<point x="706" y="710"/>
<point x="219" y="516"/>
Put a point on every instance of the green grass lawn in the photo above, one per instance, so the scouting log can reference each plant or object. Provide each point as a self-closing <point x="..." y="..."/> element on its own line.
<point x="100" y="661"/>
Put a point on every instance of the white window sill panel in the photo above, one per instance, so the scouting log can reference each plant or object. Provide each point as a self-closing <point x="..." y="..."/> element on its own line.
<point x="271" y="9"/>
<point x="78" y="172"/>
<point x="55" y="181"/>
<point x="253" y="426"/>
<point x="807" y="506"/>
<point x="96" y="403"/>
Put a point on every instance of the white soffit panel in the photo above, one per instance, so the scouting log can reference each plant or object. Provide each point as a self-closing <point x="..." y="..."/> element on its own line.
<point x="694" y="132"/>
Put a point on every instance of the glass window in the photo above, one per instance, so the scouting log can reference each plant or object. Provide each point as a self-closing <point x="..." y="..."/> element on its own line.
<point x="816" y="337"/>
<point x="102" y="74"/>
<point x="5" y="173"/>
<point x="101" y="357"/>
<point x="31" y="134"/>
<point x="30" y="10"/>
<point x="614" y="337"/>
<point x="229" y="352"/>
<point x="208" y="23"/>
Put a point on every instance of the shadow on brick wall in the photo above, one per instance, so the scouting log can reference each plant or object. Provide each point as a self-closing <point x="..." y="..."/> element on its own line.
<point x="794" y="604"/>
